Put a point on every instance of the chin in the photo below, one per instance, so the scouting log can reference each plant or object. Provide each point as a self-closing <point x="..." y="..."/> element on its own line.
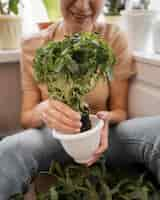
<point x="82" y="24"/>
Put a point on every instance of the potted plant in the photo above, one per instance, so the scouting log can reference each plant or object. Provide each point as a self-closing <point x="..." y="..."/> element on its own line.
<point x="10" y="23"/>
<point x="156" y="33"/>
<point x="140" y="18"/>
<point x="53" y="9"/>
<point x="112" y="11"/>
<point x="70" y="69"/>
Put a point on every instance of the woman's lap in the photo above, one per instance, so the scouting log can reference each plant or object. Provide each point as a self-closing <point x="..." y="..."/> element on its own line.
<point x="26" y="153"/>
<point x="131" y="141"/>
<point x="23" y="155"/>
<point x="136" y="141"/>
<point x="40" y="144"/>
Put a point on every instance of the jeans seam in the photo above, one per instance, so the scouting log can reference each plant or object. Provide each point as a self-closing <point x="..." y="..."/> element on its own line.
<point x="155" y="153"/>
<point x="31" y="176"/>
<point x="143" y="144"/>
<point x="130" y="140"/>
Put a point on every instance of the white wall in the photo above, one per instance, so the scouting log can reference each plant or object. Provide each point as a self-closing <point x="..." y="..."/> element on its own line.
<point x="155" y="4"/>
<point x="33" y="11"/>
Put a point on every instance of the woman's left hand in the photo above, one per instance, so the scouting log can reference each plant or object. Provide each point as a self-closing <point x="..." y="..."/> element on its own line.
<point x="104" y="115"/>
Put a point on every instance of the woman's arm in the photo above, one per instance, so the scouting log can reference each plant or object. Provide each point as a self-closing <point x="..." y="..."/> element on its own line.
<point x="33" y="118"/>
<point x="122" y="71"/>
<point x="31" y="96"/>
<point x="118" y="103"/>
<point x="35" y="111"/>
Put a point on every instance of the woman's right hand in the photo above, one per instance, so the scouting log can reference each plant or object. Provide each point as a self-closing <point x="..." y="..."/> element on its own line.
<point x="59" y="116"/>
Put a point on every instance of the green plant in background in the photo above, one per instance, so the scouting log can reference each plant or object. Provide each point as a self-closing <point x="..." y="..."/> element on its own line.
<point x="9" y="7"/>
<point x="113" y="7"/>
<point x="53" y="9"/>
<point x="72" y="67"/>
<point x="140" y="4"/>
<point x="146" y="4"/>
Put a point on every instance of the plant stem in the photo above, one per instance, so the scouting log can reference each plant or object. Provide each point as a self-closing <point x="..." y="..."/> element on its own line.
<point x="146" y="4"/>
<point x="85" y="119"/>
<point x="1" y="8"/>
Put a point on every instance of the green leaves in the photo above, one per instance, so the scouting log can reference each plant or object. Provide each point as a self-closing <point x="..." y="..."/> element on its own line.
<point x="72" y="67"/>
<point x="13" y="6"/>
<point x="10" y="6"/>
<point x="77" y="182"/>
<point x="113" y="7"/>
<point x="53" y="194"/>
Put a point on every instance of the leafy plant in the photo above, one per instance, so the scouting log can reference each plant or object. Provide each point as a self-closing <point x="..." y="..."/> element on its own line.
<point x="77" y="182"/>
<point x="8" y="7"/>
<point x="72" y="67"/>
<point x="113" y="7"/>
<point x="52" y="8"/>
<point x="146" y="4"/>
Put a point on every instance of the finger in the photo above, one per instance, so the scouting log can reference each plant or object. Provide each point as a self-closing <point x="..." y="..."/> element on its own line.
<point x="43" y="118"/>
<point x="102" y="148"/>
<point x="65" y="109"/>
<point x="104" y="140"/>
<point x="63" y="119"/>
<point x="52" y="123"/>
<point x="93" y="160"/>
<point x="103" y="115"/>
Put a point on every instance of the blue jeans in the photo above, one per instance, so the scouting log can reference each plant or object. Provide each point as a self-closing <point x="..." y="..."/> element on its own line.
<point x="24" y="154"/>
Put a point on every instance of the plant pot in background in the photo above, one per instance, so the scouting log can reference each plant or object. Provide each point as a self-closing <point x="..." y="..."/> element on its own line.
<point x="53" y="9"/>
<point x="117" y="20"/>
<point x="44" y="25"/>
<point x="138" y="25"/>
<point x="156" y="36"/>
<point x="81" y="146"/>
<point x="10" y="32"/>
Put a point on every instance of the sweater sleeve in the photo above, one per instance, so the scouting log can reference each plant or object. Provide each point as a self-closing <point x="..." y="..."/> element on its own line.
<point x="124" y="68"/>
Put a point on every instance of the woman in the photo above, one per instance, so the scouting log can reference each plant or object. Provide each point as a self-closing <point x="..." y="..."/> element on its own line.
<point x="24" y="154"/>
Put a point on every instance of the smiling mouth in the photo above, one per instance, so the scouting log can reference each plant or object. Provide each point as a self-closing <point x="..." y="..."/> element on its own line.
<point x="80" y="16"/>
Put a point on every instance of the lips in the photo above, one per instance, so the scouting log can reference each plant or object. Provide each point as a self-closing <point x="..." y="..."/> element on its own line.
<point x="80" y="16"/>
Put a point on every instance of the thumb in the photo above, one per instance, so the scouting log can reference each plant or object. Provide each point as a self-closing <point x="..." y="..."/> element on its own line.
<point x="103" y="115"/>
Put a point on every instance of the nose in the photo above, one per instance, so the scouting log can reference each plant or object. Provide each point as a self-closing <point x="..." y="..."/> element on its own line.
<point x="82" y="5"/>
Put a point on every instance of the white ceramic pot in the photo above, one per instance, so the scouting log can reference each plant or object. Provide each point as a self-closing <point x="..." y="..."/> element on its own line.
<point x="138" y="24"/>
<point x="117" y="20"/>
<point x="81" y="146"/>
<point x="156" y="36"/>
<point x="10" y="32"/>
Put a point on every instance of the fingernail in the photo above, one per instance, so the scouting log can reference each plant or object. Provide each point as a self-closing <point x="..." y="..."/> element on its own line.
<point x="89" y="164"/>
<point x="102" y="115"/>
<point x="80" y="124"/>
<point x="97" y="152"/>
<point x="77" y="130"/>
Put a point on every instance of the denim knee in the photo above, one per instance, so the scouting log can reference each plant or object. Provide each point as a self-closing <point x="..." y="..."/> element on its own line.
<point x="150" y="150"/>
<point x="16" y="170"/>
